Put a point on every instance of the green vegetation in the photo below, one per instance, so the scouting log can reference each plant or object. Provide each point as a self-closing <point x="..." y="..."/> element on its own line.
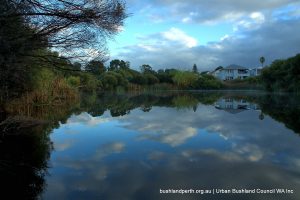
<point x="32" y="71"/>
<point x="262" y="60"/>
<point x="185" y="101"/>
<point x="283" y="75"/>
<point x="253" y="83"/>
<point x="206" y="81"/>
<point x="32" y="146"/>
<point x="195" y="69"/>
<point x="28" y="65"/>
<point x="185" y="79"/>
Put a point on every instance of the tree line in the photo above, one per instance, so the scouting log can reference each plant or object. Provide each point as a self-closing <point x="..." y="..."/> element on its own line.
<point x="119" y="74"/>
<point x="282" y="75"/>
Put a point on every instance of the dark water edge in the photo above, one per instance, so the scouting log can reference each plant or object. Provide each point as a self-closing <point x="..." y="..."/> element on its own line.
<point x="29" y="154"/>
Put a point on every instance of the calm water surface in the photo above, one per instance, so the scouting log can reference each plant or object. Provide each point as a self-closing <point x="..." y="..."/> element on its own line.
<point x="131" y="146"/>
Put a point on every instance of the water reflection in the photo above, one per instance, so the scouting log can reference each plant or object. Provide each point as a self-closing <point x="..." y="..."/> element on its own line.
<point x="128" y="146"/>
<point x="235" y="106"/>
<point x="24" y="163"/>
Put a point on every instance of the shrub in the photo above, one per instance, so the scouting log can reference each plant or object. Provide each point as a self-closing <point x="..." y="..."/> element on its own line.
<point x="109" y="82"/>
<point x="89" y="82"/>
<point x="73" y="81"/>
<point x="185" y="79"/>
<point x="139" y="79"/>
<point x="207" y="82"/>
<point x="151" y="79"/>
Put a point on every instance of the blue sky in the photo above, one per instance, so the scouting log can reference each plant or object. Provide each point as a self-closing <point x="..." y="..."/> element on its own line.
<point x="177" y="34"/>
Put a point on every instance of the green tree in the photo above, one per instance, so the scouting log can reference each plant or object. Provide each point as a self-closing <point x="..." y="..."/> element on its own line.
<point x="185" y="79"/>
<point x="262" y="60"/>
<point x="95" y="67"/>
<point x="283" y="75"/>
<point x="146" y="69"/>
<point x="114" y="65"/>
<point x="29" y="28"/>
<point x="151" y="79"/>
<point x="160" y="71"/>
<point x="164" y="76"/>
<point x="88" y="22"/>
<point x="73" y="81"/>
<point x="117" y="64"/>
<point x="139" y="79"/>
<point x="195" y="69"/>
<point x="89" y="82"/>
<point x="206" y="81"/>
<point x="124" y="65"/>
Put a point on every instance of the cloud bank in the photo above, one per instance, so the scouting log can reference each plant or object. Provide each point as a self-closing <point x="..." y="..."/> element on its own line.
<point x="259" y="28"/>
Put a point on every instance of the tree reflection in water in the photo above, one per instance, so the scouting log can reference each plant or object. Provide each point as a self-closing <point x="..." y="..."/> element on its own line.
<point x="24" y="153"/>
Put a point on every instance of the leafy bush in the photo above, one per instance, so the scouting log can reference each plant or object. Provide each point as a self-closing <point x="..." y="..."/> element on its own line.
<point x="207" y="82"/>
<point x="73" y="81"/>
<point x="89" y="82"/>
<point x="151" y="79"/>
<point x="185" y="79"/>
<point x="139" y="79"/>
<point x="109" y="81"/>
<point x="283" y="75"/>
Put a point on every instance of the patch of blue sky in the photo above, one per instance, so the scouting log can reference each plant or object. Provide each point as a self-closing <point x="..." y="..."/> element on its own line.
<point x="135" y="28"/>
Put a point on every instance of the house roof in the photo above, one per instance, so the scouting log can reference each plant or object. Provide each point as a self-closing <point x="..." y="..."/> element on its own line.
<point x="233" y="66"/>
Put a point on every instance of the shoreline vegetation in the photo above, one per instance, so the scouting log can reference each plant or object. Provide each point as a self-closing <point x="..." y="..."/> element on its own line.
<point x="28" y="141"/>
<point x="20" y="116"/>
<point x="53" y="86"/>
<point x="43" y="65"/>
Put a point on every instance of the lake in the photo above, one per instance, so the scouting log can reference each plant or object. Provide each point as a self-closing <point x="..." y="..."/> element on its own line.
<point x="206" y="145"/>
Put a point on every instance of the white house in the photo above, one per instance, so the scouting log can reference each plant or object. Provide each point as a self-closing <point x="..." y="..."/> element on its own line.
<point x="235" y="106"/>
<point x="231" y="72"/>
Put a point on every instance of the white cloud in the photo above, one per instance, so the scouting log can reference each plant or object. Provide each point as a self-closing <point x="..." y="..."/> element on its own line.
<point x="147" y="47"/>
<point x="224" y="37"/>
<point x="62" y="146"/>
<point x="186" y="20"/>
<point x="178" y="137"/>
<point x="213" y="11"/>
<point x="177" y="35"/>
<point x="85" y="118"/>
<point x="258" y="17"/>
<point x="108" y="149"/>
<point x="252" y="152"/>
<point x="253" y="21"/>
<point x="255" y="37"/>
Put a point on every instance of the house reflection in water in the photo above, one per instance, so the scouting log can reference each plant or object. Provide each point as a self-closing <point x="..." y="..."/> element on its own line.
<point x="235" y="106"/>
